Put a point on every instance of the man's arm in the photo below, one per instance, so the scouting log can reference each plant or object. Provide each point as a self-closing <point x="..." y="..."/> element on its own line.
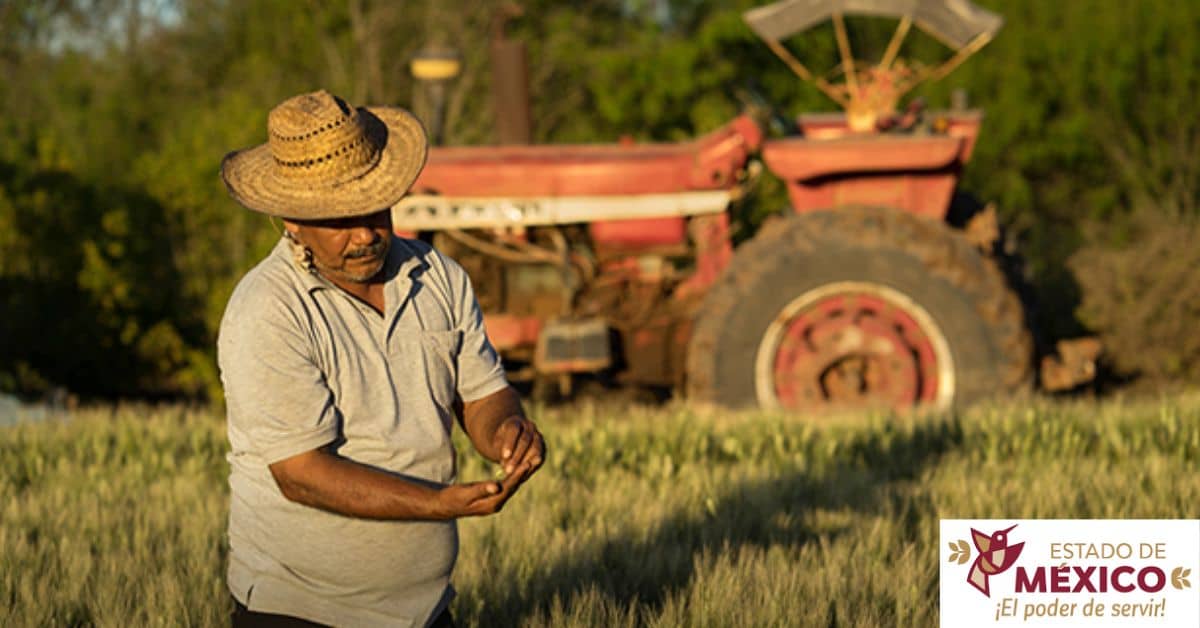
<point x="501" y="433"/>
<point x="497" y="427"/>
<point x="322" y="479"/>
<point x="495" y="422"/>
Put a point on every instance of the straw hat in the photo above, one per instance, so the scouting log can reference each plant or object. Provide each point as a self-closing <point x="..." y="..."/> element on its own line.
<point x="325" y="159"/>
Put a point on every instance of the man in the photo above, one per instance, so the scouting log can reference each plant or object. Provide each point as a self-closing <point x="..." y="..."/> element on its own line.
<point x="346" y="356"/>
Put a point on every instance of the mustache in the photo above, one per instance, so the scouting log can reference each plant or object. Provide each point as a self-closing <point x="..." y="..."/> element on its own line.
<point x="372" y="250"/>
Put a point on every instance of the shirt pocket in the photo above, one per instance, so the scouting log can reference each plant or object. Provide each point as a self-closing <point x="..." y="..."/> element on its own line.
<point x="423" y="367"/>
<point x="439" y="355"/>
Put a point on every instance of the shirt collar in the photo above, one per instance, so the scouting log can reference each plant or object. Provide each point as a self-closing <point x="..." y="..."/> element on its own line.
<point x="402" y="267"/>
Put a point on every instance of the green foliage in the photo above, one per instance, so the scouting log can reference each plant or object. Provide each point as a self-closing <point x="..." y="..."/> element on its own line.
<point x="1087" y="122"/>
<point x="119" y="246"/>
<point x="1144" y="296"/>
<point x="671" y="516"/>
<point x="90" y="292"/>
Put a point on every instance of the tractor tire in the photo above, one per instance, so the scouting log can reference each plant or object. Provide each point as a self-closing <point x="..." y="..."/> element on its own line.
<point x="858" y="307"/>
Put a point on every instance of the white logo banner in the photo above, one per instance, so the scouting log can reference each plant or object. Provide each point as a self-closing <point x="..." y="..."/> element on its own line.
<point x="1070" y="572"/>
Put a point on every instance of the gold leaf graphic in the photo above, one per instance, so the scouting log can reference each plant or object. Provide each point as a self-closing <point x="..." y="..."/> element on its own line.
<point x="966" y="552"/>
<point x="1179" y="578"/>
<point x="960" y="552"/>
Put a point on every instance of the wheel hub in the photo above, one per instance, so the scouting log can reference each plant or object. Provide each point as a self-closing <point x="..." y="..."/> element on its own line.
<point x="853" y="345"/>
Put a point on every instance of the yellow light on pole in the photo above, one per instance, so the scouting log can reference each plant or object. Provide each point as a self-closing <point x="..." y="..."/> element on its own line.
<point x="435" y="67"/>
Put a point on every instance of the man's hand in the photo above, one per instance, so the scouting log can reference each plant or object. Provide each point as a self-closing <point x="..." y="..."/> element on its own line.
<point x="500" y="432"/>
<point x="520" y="445"/>
<point x="480" y="498"/>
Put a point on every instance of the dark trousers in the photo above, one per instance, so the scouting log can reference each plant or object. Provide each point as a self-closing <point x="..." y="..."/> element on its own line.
<point x="245" y="618"/>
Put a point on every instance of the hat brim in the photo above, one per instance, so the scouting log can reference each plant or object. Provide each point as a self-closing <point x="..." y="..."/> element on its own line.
<point x="252" y="176"/>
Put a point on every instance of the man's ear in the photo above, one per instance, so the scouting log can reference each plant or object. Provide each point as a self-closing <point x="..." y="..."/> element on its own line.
<point x="291" y="228"/>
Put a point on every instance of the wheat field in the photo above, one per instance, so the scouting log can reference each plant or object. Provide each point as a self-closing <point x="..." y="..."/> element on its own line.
<point x="642" y="516"/>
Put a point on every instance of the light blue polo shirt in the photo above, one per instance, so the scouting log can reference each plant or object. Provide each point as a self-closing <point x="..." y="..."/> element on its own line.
<point x="304" y="365"/>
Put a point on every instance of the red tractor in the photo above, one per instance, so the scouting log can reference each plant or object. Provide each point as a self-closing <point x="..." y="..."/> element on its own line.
<point x="617" y="260"/>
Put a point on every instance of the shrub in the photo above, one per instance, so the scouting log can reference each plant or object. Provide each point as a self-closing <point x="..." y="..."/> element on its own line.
<point x="1142" y="295"/>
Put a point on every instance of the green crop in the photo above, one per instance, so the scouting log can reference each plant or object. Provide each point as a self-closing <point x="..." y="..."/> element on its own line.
<point x="677" y="515"/>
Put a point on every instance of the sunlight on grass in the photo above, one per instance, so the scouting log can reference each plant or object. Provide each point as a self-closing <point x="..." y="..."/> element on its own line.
<point x="676" y="515"/>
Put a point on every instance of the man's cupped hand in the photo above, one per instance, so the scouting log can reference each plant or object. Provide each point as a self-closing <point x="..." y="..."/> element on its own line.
<point x="522" y="452"/>
<point x="520" y="444"/>
<point x="480" y="498"/>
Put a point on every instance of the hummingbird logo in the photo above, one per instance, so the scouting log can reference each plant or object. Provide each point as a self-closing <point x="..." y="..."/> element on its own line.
<point x="995" y="556"/>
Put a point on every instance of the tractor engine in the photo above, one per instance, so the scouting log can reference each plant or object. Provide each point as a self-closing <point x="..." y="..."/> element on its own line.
<point x="580" y="298"/>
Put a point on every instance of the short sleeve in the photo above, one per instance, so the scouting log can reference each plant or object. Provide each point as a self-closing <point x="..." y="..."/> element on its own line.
<point x="480" y="371"/>
<point x="278" y="402"/>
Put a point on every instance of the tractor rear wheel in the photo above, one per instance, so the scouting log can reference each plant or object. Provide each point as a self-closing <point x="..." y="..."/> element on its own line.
<point x="857" y="307"/>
